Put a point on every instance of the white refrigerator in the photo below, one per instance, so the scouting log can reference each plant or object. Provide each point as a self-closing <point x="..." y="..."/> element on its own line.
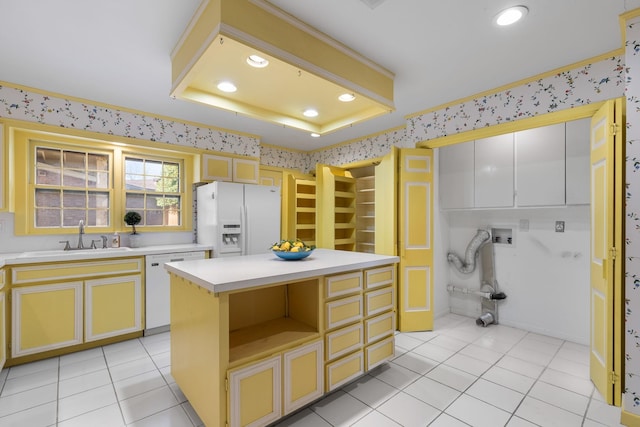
<point x="238" y="219"/>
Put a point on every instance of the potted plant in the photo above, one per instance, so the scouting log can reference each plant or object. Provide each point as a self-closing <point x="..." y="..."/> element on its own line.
<point x="133" y="218"/>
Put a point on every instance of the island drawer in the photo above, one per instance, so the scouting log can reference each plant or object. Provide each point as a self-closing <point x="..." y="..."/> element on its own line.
<point x="343" y="284"/>
<point x="74" y="270"/>
<point x="379" y="301"/>
<point x="378" y="353"/>
<point x="379" y="327"/>
<point x="377" y="277"/>
<point x="344" y="370"/>
<point x="344" y="340"/>
<point x="343" y="311"/>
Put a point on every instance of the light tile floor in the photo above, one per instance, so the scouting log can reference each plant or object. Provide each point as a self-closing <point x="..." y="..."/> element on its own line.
<point x="458" y="375"/>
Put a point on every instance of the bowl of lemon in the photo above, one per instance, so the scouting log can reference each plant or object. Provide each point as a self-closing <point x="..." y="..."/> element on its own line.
<point x="292" y="249"/>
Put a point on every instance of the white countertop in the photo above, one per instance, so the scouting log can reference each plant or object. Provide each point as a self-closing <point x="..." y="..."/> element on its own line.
<point x="241" y="272"/>
<point x="31" y="257"/>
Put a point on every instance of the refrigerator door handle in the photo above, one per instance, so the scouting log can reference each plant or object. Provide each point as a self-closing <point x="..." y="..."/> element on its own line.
<point x="244" y="226"/>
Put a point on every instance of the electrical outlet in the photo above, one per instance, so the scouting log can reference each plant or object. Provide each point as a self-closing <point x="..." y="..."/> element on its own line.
<point x="559" y="226"/>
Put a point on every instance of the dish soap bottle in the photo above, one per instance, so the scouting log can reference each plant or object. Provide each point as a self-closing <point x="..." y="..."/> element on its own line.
<point x="115" y="240"/>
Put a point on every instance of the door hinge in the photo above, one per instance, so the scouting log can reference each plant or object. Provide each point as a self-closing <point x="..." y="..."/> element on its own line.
<point x="614" y="129"/>
<point x="612" y="253"/>
<point x="613" y="378"/>
<point x="226" y="384"/>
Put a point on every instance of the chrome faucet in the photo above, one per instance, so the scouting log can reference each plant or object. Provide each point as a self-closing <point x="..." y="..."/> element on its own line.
<point x="80" y="233"/>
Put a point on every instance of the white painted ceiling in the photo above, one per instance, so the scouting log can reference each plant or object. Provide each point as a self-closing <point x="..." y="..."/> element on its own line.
<point x="117" y="51"/>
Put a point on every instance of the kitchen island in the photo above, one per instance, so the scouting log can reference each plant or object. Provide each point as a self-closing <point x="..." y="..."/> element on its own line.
<point x="254" y="338"/>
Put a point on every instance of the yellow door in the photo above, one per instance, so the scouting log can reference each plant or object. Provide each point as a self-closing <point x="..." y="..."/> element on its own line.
<point x="113" y="306"/>
<point x="606" y="257"/>
<point x="45" y="317"/>
<point x="415" y="271"/>
<point x="303" y="376"/>
<point x="386" y="241"/>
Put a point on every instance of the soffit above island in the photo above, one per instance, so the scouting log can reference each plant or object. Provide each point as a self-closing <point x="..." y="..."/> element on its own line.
<point x="307" y="69"/>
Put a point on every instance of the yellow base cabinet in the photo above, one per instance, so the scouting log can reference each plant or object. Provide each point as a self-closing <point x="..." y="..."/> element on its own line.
<point x="113" y="306"/>
<point x="54" y="306"/>
<point x="255" y="393"/>
<point x="46" y="317"/>
<point x="303" y="376"/>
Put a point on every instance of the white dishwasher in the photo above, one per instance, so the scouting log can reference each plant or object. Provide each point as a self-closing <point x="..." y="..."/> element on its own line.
<point x="157" y="289"/>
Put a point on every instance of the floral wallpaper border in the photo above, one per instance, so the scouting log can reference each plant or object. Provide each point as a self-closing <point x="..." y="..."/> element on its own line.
<point x="20" y="104"/>
<point x="632" y="224"/>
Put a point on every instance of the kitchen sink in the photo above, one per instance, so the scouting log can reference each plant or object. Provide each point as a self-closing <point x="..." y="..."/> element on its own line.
<point x="61" y="252"/>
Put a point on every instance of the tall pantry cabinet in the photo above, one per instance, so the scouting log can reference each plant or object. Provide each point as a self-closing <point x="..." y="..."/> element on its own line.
<point x="384" y="208"/>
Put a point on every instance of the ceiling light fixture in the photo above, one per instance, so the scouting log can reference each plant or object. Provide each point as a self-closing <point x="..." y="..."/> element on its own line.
<point x="511" y="15"/>
<point x="310" y="112"/>
<point x="257" y="61"/>
<point x="315" y="135"/>
<point x="347" y="97"/>
<point x="227" y="87"/>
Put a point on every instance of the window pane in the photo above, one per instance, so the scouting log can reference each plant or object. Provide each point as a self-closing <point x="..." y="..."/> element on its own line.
<point x="154" y="217"/>
<point x="134" y="201"/>
<point x="72" y="217"/>
<point x="97" y="179"/>
<point x="134" y="182"/>
<point x="153" y="168"/>
<point x="133" y="166"/>
<point x="98" y="200"/>
<point x="48" y="198"/>
<point x="48" y="217"/>
<point x="74" y="160"/>
<point x="74" y="199"/>
<point x="74" y="178"/>
<point x="98" y="162"/>
<point x="47" y="166"/>
<point x="98" y="217"/>
<point x="153" y="201"/>
<point x="172" y="202"/>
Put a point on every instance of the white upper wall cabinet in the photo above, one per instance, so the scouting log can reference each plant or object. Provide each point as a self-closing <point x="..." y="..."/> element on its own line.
<point x="577" y="146"/>
<point x="456" y="176"/>
<point x="540" y="172"/>
<point x="494" y="171"/>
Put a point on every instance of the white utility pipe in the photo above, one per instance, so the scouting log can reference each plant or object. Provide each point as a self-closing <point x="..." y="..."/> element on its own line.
<point x="452" y="288"/>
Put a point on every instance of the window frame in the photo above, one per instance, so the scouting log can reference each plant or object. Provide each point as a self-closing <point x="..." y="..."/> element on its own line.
<point x="23" y="142"/>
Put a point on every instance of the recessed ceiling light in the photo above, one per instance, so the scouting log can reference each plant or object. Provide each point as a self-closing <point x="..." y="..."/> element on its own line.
<point x="310" y="112"/>
<point x="315" y="135"/>
<point x="227" y="87"/>
<point x="347" y="97"/>
<point x="257" y="61"/>
<point x="511" y="15"/>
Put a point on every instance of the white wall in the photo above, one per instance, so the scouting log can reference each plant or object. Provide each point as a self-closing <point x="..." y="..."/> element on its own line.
<point x="545" y="274"/>
<point x="440" y="248"/>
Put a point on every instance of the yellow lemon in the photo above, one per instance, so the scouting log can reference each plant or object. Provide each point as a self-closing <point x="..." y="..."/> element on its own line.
<point x="275" y="248"/>
<point x="299" y="244"/>
<point x="285" y="246"/>
<point x="295" y="249"/>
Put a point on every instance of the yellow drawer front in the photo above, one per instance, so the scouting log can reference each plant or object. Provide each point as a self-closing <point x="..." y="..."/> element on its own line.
<point x="380" y="352"/>
<point x="377" y="277"/>
<point x="343" y="311"/>
<point x="344" y="370"/>
<point x="343" y="341"/>
<point x="379" y="301"/>
<point x="74" y="270"/>
<point x="379" y="327"/>
<point x="343" y="284"/>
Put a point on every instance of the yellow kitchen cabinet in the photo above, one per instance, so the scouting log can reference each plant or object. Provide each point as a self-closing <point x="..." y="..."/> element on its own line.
<point x="336" y="208"/>
<point x="3" y="320"/>
<point x="113" y="306"/>
<point x="379" y="315"/>
<point x="299" y="213"/>
<point x="45" y="317"/>
<point x="270" y="176"/>
<point x="65" y="304"/>
<point x="303" y="376"/>
<point x="255" y="393"/>
<point x="226" y="168"/>
<point x="344" y="370"/>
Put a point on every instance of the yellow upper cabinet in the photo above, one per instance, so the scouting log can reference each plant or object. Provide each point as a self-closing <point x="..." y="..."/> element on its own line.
<point x="224" y="168"/>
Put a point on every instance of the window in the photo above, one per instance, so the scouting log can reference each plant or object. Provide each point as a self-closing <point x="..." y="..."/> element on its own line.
<point x="71" y="186"/>
<point x="71" y="179"/>
<point x="152" y="188"/>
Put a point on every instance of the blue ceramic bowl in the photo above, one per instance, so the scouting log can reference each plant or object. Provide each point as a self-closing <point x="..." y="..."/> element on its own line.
<point x="289" y="256"/>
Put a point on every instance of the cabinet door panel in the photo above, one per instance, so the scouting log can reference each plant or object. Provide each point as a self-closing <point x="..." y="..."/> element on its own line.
<point x="246" y="171"/>
<point x="456" y="176"/>
<point x="343" y="311"/>
<point x="113" y="307"/>
<point x="303" y="376"/>
<point x="344" y="340"/>
<point x="344" y="370"/>
<point x="494" y="171"/>
<point x="343" y="284"/>
<point x="379" y="327"/>
<point x="255" y="393"/>
<point x="46" y="317"/>
<point x="540" y="166"/>
<point x="217" y="168"/>
<point x="379" y="353"/>
<point x="378" y="301"/>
